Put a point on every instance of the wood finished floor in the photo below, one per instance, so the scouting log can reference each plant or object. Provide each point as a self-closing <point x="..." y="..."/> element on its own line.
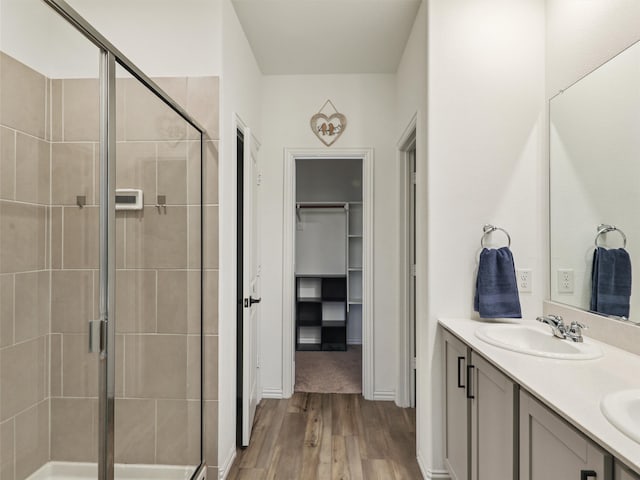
<point x="329" y="436"/>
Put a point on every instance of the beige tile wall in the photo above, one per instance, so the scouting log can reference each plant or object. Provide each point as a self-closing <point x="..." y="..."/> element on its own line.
<point x="48" y="272"/>
<point x="158" y="281"/>
<point x="24" y="275"/>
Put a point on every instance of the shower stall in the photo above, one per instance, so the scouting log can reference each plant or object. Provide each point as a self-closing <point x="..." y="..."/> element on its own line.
<point x="101" y="259"/>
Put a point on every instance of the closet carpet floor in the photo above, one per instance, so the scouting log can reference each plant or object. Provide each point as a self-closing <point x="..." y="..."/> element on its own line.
<point x="329" y="372"/>
<point x="316" y="436"/>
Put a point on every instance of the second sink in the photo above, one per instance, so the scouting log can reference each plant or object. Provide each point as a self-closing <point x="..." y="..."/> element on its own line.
<point x="533" y="341"/>
<point x="622" y="409"/>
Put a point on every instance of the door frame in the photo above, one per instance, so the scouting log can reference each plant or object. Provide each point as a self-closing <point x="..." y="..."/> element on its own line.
<point x="288" y="268"/>
<point x="406" y="144"/>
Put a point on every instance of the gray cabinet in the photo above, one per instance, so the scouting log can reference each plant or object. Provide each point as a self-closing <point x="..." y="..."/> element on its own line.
<point x="622" y="473"/>
<point x="550" y="449"/>
<point x="493" y="436"/>
<point x="456" y="408"/>
<point x="479" y="418"/>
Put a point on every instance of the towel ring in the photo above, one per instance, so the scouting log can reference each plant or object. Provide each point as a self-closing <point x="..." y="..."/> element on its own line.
<point x="604" y="228"/>
<point x="488" y="229"/>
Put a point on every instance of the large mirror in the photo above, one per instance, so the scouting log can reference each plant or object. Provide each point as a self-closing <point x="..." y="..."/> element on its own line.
<point x="595" y="190"/>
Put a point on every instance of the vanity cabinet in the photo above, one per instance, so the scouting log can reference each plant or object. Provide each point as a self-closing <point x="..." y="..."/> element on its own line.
<point x="622" y="473"/>
<point x="457" y="408"/>
<point x="493" y="436"/>
<point x="480" y="416"/>
<point x="550" y="449"/>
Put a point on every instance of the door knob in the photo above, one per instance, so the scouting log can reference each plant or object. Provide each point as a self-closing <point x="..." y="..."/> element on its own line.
<point x="248" y="302"/>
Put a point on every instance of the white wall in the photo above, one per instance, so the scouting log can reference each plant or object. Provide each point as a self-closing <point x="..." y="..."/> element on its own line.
<point x="411" y="99"/>
<point x="581" y="35"/>
<point x="485" y="160"/>
<point x="27" y="28"/>
<point x="241" y="93"/>
<point x="162" y="37"/>
<point x="368" y="101"/>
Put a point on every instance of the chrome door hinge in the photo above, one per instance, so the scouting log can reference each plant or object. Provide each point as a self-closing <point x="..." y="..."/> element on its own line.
<point x="413" y="270"/>
<point x="259" y="179"/>
<point x="413" y="363"/>
<point x="414" y="178"/>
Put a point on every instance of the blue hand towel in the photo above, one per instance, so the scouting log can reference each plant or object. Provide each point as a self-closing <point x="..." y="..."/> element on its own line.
<point x="496" y="286"/>
<point x="611" y="282"/>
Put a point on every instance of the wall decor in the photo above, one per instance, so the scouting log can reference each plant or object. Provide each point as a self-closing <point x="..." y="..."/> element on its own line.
<point x="328" y="125"/>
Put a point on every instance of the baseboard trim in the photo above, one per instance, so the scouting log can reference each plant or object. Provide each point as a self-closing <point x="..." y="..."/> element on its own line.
<point x="223" y="471"/>
<point x="272" y="393"/>
<point x="437" y="474"/>
<point x="385" y="395"/>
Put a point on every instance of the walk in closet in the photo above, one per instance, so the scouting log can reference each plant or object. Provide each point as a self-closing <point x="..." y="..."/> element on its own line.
<point x="328" y="262"/>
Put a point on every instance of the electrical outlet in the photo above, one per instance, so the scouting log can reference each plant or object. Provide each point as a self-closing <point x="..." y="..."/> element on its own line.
<point x="565" y="280"/>
<point x="524" y="280"/>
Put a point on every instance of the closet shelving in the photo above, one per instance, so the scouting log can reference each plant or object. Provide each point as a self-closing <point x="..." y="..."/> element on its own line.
<point x="328" y="280"/>
<point x="354" y="270"/>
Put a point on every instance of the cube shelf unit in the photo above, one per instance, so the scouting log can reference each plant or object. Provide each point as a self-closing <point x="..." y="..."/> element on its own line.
<point x="321" y="312"/>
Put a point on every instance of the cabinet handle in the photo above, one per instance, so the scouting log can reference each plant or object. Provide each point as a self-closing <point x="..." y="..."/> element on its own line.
<point x="460" y="360"/>
<point x="587" y="474"/>
<point x="469" y="384"/>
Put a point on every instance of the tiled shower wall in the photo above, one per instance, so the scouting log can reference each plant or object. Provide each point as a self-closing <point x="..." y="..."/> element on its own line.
<point x="24" y="273"/>
<point x="158" y="248"/>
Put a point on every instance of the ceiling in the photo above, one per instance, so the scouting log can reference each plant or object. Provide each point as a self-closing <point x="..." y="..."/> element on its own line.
<point x="327" y="37"/>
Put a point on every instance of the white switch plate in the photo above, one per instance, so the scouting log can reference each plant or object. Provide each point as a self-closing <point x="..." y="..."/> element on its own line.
<point x="565" y="280"/>
<point x="524" y="280"/>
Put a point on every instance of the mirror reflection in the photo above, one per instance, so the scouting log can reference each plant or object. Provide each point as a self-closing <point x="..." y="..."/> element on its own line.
<point x="595" y="190"/>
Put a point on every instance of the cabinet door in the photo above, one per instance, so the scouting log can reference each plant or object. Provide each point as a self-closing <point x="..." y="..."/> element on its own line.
<point x="492" y="423"/>
<point x="457" y="408"/>
<point x="550" y="449"/>
<point x="623" y="474"/>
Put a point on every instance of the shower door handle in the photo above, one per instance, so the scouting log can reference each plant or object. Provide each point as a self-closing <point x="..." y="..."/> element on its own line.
<point x="96" y="335"/>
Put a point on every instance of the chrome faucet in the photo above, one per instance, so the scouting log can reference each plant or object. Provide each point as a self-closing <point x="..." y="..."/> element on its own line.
<point x="556" y="323"/>
<point x="575" y="332"/>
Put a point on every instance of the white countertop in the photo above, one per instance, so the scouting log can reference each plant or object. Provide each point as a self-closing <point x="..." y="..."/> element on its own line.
<point x="572" y="388"/>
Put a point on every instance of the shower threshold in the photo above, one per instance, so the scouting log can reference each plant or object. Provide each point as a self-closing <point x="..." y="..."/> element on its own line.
<point x="89" y="471"/>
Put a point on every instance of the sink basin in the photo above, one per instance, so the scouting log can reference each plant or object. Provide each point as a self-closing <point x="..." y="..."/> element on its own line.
<point x="533" y="341"/>
<point x="622" y="409"/>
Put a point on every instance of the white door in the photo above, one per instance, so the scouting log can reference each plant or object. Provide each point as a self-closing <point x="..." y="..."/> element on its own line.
<point x="251" y="287"/>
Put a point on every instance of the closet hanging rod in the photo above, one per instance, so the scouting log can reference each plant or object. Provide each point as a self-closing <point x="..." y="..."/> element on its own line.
<point x="321" y="205"/>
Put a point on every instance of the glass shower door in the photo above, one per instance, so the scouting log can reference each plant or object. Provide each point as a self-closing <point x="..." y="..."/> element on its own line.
<point x="100" y="298"/>
<point x="158" y="409"/>
<point x="49" y="231"/>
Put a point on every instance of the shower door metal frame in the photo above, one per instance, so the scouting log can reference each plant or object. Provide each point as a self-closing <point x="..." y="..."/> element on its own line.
<point x="110" y="57"/>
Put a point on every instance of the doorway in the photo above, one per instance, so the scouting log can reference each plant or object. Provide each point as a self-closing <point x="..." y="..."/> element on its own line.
<point x="347" y="292"/>
<point x="328" y="275"/>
